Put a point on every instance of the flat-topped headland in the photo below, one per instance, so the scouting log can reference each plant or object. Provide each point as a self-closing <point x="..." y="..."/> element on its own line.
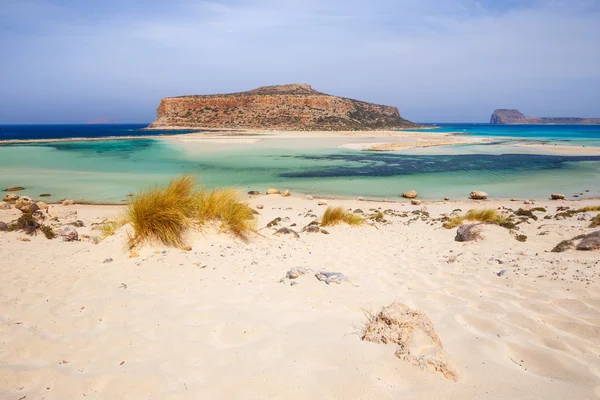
<point x="295" y="107"/>
<point x="515" y="117"/>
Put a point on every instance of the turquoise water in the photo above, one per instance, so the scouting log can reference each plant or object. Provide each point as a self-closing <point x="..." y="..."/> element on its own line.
<point x="565" y="134"/>
<point x="108" y="171"/>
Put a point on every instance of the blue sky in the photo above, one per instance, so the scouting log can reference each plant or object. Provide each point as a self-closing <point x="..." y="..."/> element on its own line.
<point x="70" y="61"/>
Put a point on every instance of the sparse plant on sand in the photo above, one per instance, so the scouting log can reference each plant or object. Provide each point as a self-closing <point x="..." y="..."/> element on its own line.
<point x="595" y="221"/>
<point x="338" y="215"/>
<point x="165" y="214"/>
<point x="486" y="215"/>
<point x="223" y="205"/>
<point x="589" y="209"/>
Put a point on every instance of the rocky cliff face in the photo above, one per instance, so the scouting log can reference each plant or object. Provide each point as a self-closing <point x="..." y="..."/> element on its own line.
<point x="507" y="117"/>
<point x="285" y="107"/>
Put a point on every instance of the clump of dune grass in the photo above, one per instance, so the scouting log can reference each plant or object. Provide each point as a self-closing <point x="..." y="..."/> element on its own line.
<point x="162" y="214"/>
<point x="338" y="215"/>
<point x="589" y="209"/>
<point x="224" y="205"/>
<point x="595" y="221"/>
<point x="108" y="228"/>
<point x="486" y="215"/>
<point x="166" y="214"/>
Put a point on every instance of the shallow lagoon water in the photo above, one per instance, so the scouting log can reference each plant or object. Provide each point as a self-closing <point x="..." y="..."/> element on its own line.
<point x="108" y="171"/>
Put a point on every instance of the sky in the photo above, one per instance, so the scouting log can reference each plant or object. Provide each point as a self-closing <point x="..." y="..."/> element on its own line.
<point x="71" y="61"/>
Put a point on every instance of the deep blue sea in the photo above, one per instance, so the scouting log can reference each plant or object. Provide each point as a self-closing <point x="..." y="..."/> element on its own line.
<point x="27" y="132"/>
<point x="107" y="171"/>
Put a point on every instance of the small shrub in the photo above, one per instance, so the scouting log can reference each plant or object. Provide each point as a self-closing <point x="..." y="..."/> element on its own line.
<point x="526" y="213"/>
<point x="521" y="238"/>
<point x="26" y="223"/>
<point x="48" y="232"/>
<point x="539" y="209"/>
<point x="595" y="221"/>
<point x="563" y="246"/>
<point x="487" y="215"/>
<point x="337" y="215"/>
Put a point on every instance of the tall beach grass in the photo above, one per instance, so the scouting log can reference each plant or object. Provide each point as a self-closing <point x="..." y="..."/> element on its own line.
<point x="166" y="214"/>
<point x="337" y="215"/>
<point x="487" y="215"/>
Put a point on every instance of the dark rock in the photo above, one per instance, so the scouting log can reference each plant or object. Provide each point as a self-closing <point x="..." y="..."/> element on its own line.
<point x="108" y="260"/>
<point x="3" y="226"/>
<point x="468" y="233"/>
<point x="68" y="233"/>
<point x="275" y="222"/>
<point x="331" y="277"/>
<point x="590" y="242"/>
<point x="253" y="193"/>
<point x="287" y="231"/>
<point x="14" y="189"/>
<point x="45" y="195"/>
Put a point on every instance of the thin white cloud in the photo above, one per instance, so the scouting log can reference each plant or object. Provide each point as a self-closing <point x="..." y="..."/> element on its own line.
<point x="435" y="59"/>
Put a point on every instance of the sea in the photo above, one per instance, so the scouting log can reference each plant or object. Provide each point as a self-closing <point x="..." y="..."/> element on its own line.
<point x="108" y="171"/>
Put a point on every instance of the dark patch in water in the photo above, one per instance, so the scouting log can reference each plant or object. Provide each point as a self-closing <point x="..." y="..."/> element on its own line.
<point x="384" y="164"/>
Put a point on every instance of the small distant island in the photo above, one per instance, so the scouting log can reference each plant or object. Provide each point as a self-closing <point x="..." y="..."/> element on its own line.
<point x="515" y="117"/>
<point x="294" y="107"/>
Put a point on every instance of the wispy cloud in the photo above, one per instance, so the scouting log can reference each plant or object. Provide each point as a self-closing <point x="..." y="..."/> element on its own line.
<point x="68" y="61"/>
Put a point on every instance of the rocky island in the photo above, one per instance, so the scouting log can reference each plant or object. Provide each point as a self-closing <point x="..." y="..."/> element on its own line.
<point x="295" y="107"/>
<point x="515" y="117"/>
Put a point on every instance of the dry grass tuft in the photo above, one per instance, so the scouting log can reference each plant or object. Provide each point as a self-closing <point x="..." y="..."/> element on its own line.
<point x="165" y="214"/>
<point x="162" y="214"/>
<point x="595" y="221"/>
<point x="224" y="205"/>
<point x="338" y="215"/>
<point x="589" y="208"/>
<point x="487" y="215"/>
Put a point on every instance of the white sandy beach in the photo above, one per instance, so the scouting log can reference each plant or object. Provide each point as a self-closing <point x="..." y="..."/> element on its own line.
<point x="216" y="322"/>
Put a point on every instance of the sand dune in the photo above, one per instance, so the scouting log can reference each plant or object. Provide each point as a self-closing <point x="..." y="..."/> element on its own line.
<point x="217" y="322"/>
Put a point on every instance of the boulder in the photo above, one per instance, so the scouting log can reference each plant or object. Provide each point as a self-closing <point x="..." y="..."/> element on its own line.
<point x="68" y="203"/>
<point x="309" y="197"/>
<point x="413" y="334"/>
<point x="41" y="205"/>
<point x="45" y="195"/>
<point x="415" y="202"/>
<point x="478" y="195"/>
<point x="446" y="198"/>
<point x="260" y="206"/>
<point x="557" y="196"/>
<point x="273" y="191"/>
<point x="286" y="193"/>
<point x="590" y="242"/>
<point x="3" y="226"/>
<point x="253" y="193"/>
<point x="68" y="233"/>
<point x="14" y="189"/>
<point x="322" y="202"/>
<point x="11" y="197"/>
<point x="25" y="205"/>
<point x="411" y="194"/>
<point x="468" y="233"/>
<point x="5" y="206"/>
<point x="360" y="198"/>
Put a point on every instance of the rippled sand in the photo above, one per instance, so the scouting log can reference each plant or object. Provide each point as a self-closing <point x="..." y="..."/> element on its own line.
<point x="217" y="323"/>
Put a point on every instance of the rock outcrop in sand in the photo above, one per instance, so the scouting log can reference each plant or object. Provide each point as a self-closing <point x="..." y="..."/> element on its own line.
<point x="413" y="332"/>
<point x="515" y="117"/>
<point x="284" y="107"/>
